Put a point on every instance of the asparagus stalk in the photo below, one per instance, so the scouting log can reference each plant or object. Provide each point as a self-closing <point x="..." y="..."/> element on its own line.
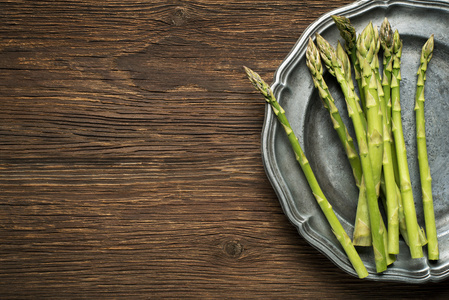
<point x="392" y="205"/>
<point x="367" y="50"/>
<point x="361" y="234"/>
<point x="401" y="152"/>
<point x="348" y="33"/>
<point x="362" y="229"/>
<point x="335" y="66"/>
<point x="390" y="194"/>
<point x="325" y="206"/>
<point x="386" y="39"/>
<point x="401" y="216"/>
<point x="424" y="170"/>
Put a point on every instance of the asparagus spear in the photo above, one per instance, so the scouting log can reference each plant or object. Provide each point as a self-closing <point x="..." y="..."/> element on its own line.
<point x="392" y="205"/>
<point x="367" y="50"/>
<point x="335" y="66"/>
<point x="325" y="206"/>
<point x="424" y="170"/>
<point x="348" y="33"/>
<point x="362" y="233"/>
<point x="386" y="41"/>
<point x="401" y="152"/>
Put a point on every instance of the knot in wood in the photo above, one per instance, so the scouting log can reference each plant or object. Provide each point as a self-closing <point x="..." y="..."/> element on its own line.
<point x="233" y="249"/>
<point x="180" y="15"/>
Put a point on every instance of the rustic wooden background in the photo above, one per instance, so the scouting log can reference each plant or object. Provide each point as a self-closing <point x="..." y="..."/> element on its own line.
<point x="130" y="160"/>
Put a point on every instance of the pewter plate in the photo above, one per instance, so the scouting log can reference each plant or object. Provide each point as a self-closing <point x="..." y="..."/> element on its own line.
<point x="293" y="87"/>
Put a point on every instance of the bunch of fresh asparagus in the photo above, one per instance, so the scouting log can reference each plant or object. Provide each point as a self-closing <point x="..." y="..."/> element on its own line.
<point x="380" y="166"/>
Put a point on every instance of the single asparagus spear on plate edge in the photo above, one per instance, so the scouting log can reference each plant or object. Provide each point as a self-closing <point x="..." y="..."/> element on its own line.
<point x="324" y="204"/>
<point x="424" y="169"/>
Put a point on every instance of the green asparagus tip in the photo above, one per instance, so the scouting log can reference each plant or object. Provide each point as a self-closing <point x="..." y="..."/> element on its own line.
<point x="327" y="52"/>
<point x="259" y="84"/>
<point x="365" y="42"/>
<point x="427" y="49"/>
<point x="386" y="34"/>
<point x="339" y="20"/>
<point x="313" y="60"/>
<point x="346" y="63"/>
<point x="347" y="31"/>
<point x="397" y="42"/>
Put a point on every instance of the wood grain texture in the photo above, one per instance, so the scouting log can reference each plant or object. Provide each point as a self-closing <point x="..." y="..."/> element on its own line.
<point x="130" y="162"/>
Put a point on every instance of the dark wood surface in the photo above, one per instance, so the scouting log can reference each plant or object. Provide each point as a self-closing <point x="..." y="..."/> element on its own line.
<point x="130" y="162"/>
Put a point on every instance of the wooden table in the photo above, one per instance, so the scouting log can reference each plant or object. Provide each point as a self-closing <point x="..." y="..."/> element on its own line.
<point x="130" y="160"/>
